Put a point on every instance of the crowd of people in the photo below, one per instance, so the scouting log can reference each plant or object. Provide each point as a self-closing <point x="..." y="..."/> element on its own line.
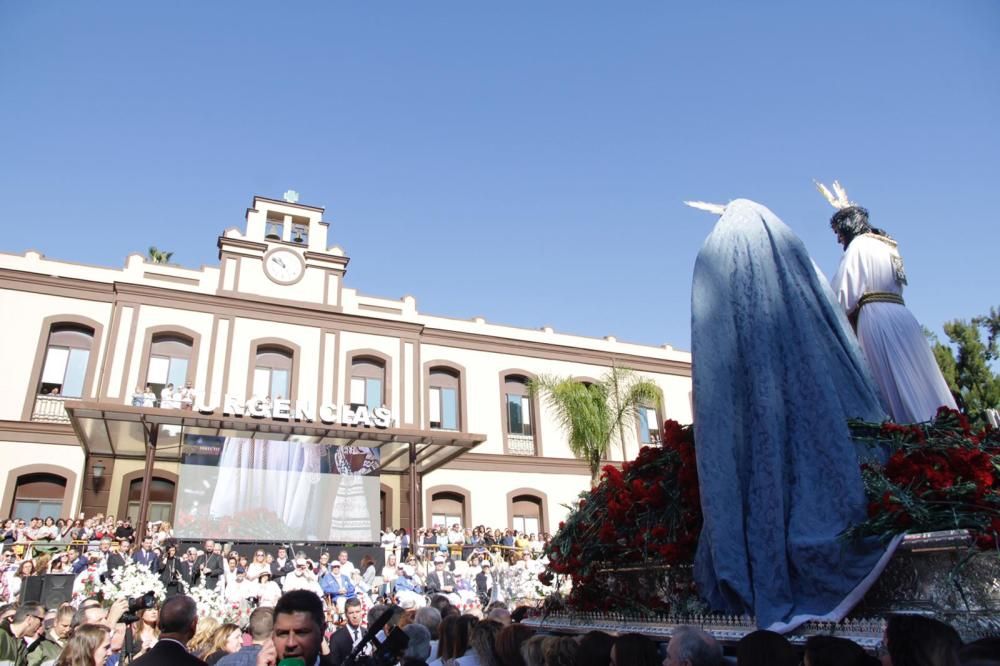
<point x="458" y="562"/>
<point x="438" y="634"/>
<point x="171" y="396"/>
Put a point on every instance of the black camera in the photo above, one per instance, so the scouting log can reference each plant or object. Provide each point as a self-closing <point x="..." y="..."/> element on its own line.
<point x="137" y="605"/>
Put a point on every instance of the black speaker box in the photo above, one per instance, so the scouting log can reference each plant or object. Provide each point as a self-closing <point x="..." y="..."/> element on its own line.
<point x="50" y="590"/>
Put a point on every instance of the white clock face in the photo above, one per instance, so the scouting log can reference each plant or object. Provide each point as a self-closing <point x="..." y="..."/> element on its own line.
<point x="283" y="266"/>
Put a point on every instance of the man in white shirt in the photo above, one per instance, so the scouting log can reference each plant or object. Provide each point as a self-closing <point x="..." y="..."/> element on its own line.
<point x="241" y="588"/>
<point x="346" y="567"/>
<point x="302" y="578"/>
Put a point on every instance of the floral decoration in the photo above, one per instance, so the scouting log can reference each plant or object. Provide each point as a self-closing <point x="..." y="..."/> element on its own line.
<point x="937" y="476"/>
<point x="647" y="512"/>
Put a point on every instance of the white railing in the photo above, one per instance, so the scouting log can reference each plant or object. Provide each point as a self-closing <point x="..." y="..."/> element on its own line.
<point x="520" y="445"/>
<point x="50" y="408"/>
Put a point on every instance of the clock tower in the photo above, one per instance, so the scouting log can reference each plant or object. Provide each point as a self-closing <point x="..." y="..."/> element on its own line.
<point x="282" y="255"/>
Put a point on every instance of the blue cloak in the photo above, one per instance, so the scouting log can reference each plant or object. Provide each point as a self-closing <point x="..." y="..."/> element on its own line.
<point x="777" y="374"/>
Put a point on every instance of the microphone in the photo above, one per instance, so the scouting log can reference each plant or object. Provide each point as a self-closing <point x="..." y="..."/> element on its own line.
<point x="372" y="632"/>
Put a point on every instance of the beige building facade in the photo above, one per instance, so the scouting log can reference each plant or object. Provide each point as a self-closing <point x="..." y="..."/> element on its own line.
<point x="275" y="319"/>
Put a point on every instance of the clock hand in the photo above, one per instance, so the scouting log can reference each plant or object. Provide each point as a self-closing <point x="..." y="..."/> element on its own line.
<point x="279" y="261"/>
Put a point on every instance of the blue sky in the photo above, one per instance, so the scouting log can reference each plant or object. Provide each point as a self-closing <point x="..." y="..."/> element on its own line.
<point x="520" y="161"/>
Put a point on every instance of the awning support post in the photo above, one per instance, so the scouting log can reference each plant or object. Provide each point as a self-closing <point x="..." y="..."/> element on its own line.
<point x="414" y="494"/>
<point x="152" y="433"/>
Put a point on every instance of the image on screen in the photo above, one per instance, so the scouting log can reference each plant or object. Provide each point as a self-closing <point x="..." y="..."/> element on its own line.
<point x="277" y="490"/>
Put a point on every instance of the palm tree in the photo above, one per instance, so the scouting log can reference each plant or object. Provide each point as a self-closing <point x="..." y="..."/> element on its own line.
<point x="159" y="257"/>
<point x="594" y="415"/>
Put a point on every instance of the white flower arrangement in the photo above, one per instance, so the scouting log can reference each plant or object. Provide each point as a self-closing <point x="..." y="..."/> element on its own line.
<point x="131" y="581"/>
<point x="87" y="584"/>
<point x="212" y="603"/>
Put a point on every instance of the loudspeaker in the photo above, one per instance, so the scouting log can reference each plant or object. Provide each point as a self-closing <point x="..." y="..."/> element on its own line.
<point x="31" y="589"/>
<point x="57" y="590"/>
<point x="50" y="590"/>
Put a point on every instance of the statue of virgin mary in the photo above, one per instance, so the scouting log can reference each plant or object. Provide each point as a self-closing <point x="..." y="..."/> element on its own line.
<point x="777" y="373"/>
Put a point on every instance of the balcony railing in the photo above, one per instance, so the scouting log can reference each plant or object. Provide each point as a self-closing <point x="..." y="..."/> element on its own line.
<point x="50" y="408"/>
<point x="520" y="445"/>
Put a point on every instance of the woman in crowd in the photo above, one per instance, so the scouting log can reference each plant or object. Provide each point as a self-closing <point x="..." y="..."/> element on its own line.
<point x="58" y="564"/>
<point x="595" y="648"/>
<point x="269" y="592"/>
<point x="404" y="543"/>
<point x="510" y="640"/>
<point x="915" y="640"/>
<point x="226" y="640"/>
<point x="24" y="570"/>
<point x="163" y="534"/>
<point x="89" y="646"/>
<point x="368" y="572"/>
<point x="170" y="571"/>
<point x="389" y="576"/>
<point x="48" y="531"/>
<point x="765" y="648"/>
<point x="258" y="566"/>
<point x="145" y="632"/>
<point x="78" y="532"/>
<point x="634" y="650"/>
<point x="482" y="640"/>
<point x="201" y="643"/>
<point x="453" y="641"/>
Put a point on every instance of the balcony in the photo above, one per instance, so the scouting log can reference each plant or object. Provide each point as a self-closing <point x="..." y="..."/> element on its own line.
<point x="520" y="445"/>
<point x="50" y="409"/>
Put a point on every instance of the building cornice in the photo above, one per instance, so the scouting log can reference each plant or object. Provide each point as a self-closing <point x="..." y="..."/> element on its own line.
<point x="228" y="303"/>
<point x="552" y="351"/>
<point x="53" y="285"/>
<point x="38" y="432"/>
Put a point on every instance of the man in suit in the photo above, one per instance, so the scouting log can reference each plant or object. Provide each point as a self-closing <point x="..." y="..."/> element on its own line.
<point x="208" y="566"/>
<point x="484" y="584"/>
<point x="146" y="556"/>
<point x="178" y="622"/>
<point x="115" y="561"/>
<point x="187" y="568"/>
<point x="440" y="581"/>
<point x="344" y="640"/>
<point x="280" y="566"/>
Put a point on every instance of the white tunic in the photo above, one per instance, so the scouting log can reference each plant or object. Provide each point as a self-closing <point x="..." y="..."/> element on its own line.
<point x="892" y="340"/>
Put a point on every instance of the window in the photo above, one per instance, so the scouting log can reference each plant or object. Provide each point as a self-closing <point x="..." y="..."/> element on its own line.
<point x="367" y="383"/>
<point x="38" y="496"/>
<point x="272" y="374"/>
<point x="518" y="403"/>
<point x="300" y="233"/>
<point x="526" y="514"/>
<point x="66" y="358"/>
<point x="169" y="359"/>
<point x="161" y="499"/>
<point x="273" y="228"/>
<point x="447" y="509"/>
<point x="649" y="425"/>
<point x="443" y="399"/>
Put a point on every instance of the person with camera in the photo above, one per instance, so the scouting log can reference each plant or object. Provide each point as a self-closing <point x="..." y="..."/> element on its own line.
<point x="170" y="572"/>
<point x="178" y="621"/>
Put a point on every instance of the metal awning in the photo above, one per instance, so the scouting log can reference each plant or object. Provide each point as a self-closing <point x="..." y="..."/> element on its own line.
<point x="123" y="431"/>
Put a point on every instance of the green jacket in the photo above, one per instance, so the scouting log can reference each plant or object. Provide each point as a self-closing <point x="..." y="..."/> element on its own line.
<point x="12" y="649"/>
<point x="43" y="650"/>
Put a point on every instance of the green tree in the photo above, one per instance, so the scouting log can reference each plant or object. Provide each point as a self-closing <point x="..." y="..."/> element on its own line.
<point x="967" y="362"/>
<point x="158" y="256"/>
<point x="596" y="415"/>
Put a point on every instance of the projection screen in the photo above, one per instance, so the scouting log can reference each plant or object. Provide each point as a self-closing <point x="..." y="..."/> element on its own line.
<point x="277" y="490"/>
